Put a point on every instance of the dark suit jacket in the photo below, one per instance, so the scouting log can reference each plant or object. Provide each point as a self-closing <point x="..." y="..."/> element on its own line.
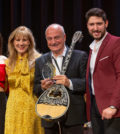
<point x="106" y="75"/>
<point x="76" y="71"/>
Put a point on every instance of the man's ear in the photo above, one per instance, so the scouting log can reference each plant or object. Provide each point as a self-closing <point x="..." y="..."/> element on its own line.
<point x="106" y="23"/>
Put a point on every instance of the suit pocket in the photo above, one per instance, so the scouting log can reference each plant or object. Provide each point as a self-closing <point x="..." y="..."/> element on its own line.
<point x="104" y="58"/>
<point x="105" y="62"/>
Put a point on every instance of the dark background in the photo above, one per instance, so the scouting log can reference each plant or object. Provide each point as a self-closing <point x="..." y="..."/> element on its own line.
<point x="38" y="14"/>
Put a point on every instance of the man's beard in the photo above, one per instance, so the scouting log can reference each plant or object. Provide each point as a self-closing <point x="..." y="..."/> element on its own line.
<point x="98" y="38"/>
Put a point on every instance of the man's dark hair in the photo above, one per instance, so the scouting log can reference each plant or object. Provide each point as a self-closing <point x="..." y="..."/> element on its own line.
<point x="96" y="12"/>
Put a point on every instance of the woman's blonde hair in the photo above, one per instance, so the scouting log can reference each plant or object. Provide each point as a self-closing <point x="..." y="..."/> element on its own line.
<point x="21" y="31"/>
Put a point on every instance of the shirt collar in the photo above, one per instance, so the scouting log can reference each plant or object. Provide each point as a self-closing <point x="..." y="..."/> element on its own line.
<point x="98" y="44"/>
<point x="63" y="54"/>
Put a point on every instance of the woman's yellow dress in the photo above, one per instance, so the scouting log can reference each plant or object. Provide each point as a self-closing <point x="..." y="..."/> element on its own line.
<point x="20" y="111"/>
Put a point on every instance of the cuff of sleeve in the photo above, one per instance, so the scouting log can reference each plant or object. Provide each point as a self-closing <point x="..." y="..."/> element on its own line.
<point x="112" y="107"/>
<point x="71" y="85"/>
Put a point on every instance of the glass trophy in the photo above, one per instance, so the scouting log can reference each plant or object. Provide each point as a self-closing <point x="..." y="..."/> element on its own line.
<point x="48" y="71"/>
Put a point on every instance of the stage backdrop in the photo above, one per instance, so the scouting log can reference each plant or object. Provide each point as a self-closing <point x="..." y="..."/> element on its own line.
<point x="38" y="14"/>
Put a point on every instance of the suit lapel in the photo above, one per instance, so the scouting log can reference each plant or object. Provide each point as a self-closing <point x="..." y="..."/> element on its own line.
<point x="104" y="43"/>
<point x="48" y="57"/>
<point x="88" y="64"/>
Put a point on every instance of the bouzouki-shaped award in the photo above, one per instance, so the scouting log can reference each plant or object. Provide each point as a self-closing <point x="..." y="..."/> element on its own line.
<point x="54" y="102"/>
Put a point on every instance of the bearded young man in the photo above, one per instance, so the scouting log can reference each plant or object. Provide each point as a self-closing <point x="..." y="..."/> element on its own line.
<point x="103" y="75"/>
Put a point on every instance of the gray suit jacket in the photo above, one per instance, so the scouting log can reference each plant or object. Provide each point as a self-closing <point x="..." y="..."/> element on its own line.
<point x="76" y="71"/>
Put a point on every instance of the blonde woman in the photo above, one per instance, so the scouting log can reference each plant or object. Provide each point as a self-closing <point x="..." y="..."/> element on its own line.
<point x="2" y="88"/>
<point x="20" y="110"/>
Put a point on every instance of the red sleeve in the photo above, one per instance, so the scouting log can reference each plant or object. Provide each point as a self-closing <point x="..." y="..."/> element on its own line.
<point x="2" y="75"/>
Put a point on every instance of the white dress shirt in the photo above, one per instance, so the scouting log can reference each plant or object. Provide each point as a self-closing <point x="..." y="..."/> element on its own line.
<point x="59" y="60"/>
<point x="94" y="46"/>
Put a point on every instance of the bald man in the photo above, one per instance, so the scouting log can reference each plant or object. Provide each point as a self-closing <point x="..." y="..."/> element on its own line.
<point x="73" y="80"/>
